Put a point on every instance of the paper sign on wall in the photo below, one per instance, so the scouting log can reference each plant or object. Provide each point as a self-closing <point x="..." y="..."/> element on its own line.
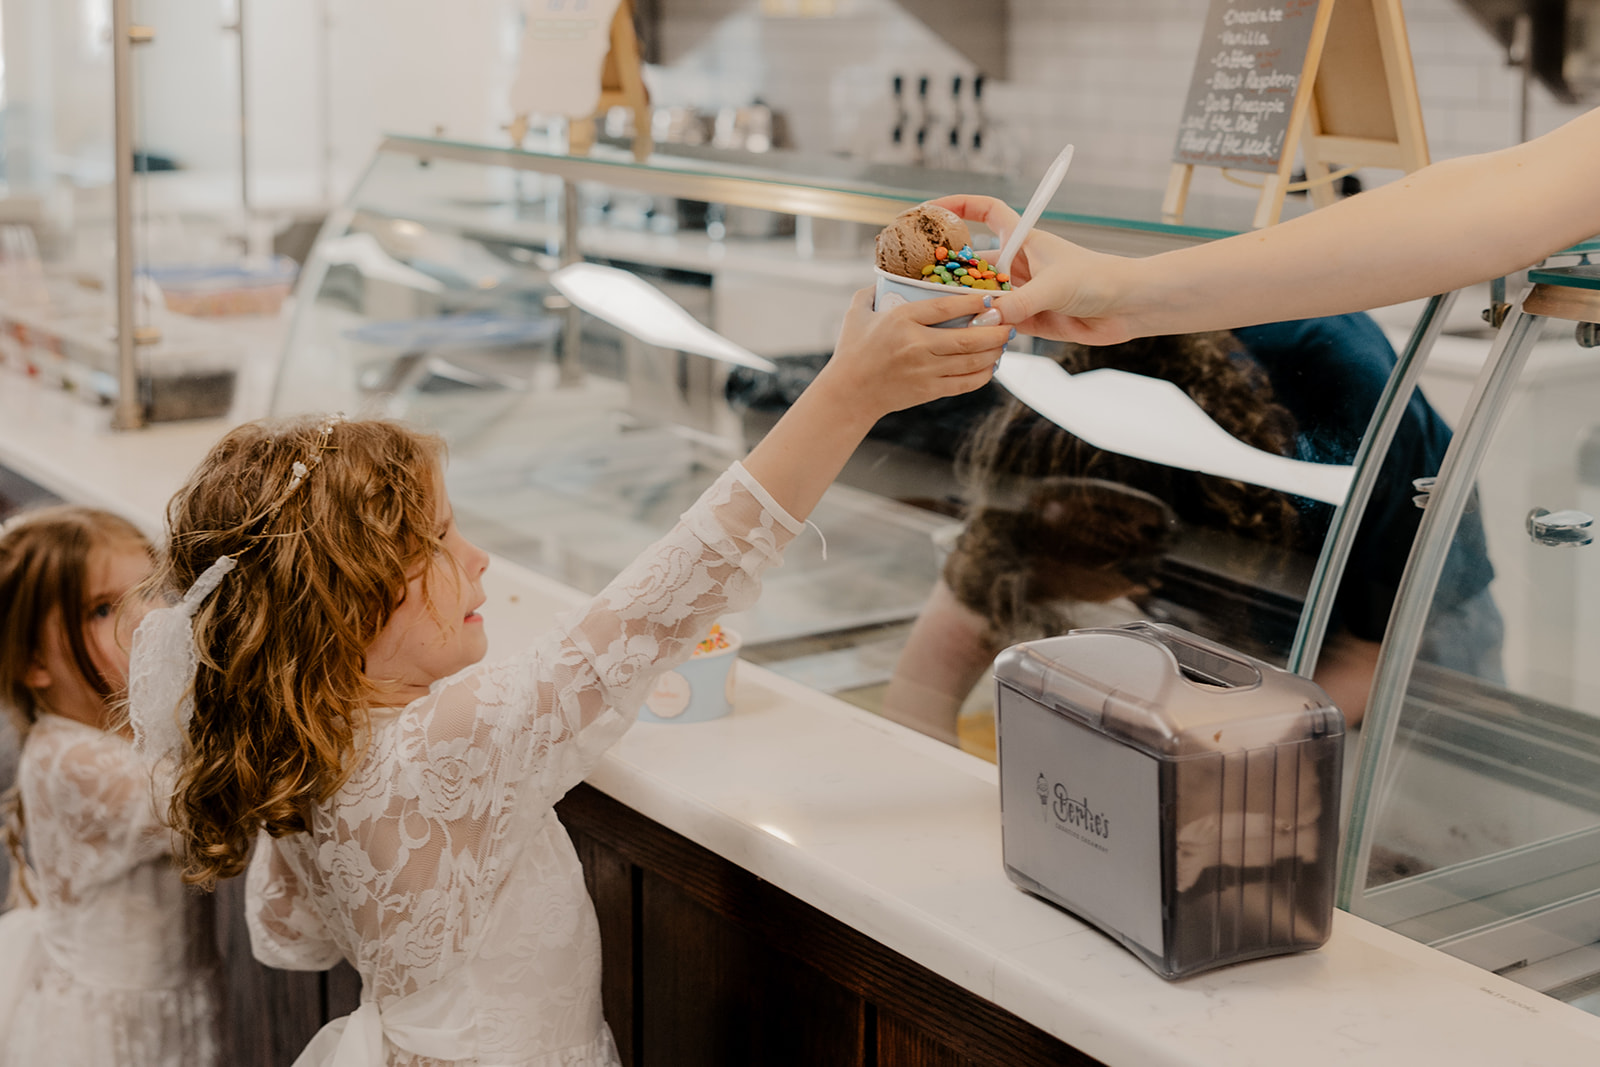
<point x="1245" y="79"/>
<point x="563" y="48"/>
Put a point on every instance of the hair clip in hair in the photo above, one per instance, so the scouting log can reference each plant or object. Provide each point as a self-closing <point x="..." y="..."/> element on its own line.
<point x="301" y="469"/>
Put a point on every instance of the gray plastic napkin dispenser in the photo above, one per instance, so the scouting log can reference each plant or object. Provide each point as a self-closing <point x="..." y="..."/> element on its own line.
<point x="1180" y="796"/>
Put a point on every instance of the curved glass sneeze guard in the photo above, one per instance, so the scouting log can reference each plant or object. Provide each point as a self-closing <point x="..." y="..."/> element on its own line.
<point x="434" y="295"/>
<point x="1475" y="823"/>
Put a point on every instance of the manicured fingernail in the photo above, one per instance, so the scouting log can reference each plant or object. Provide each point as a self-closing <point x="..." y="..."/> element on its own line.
<point x="987" y="318"/>
<point x="988" y="301"/>
<point x="1013" y="336"/>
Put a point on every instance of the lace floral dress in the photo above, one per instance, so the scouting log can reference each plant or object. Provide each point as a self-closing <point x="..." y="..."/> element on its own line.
<point x="440" y="869"/>
<point x="116" y="962"/>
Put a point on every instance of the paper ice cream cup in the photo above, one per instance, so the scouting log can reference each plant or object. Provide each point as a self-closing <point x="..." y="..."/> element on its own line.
<point x="896" y="289"/>
<point x="698" y="690"/>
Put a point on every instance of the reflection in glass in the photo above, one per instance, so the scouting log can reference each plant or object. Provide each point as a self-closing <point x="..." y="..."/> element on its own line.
<point x="1062" y="534"/>
<point x="1152" y="419"/>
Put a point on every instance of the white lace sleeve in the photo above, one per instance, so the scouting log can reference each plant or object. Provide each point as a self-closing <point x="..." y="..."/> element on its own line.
<point x="550" y="713"/>
<point x="95" y="812"/>
<point x="286" y="930"/>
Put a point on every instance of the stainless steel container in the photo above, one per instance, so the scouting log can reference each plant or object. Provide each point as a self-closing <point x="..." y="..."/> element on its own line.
<point x="1180" y="796"/>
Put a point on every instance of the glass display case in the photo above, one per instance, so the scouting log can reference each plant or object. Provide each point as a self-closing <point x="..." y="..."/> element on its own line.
<point x="436" y="294"/>
<point x="1475" y="816"/>
<point x="124" y="206"/>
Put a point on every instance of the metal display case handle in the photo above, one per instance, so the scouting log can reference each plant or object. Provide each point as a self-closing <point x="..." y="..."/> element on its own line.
<point x="1425" y="487"/>
<point x="1570" y="528"/>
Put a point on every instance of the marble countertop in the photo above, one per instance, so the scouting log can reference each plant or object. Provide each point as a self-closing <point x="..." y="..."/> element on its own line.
<point x="899" y="837"/>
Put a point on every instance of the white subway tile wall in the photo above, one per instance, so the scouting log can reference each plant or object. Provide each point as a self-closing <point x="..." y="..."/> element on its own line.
<point x="1108" y="75"/>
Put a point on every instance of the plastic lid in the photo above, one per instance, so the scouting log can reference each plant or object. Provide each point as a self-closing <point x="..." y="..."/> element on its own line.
<point x="1168" y="691"/>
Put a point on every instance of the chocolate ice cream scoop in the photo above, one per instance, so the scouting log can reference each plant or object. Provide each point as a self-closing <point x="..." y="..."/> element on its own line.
<point x="907" y="244"/>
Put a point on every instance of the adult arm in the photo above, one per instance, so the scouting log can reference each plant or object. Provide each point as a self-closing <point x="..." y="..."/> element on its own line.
<point x="943" y="659"/>
<point x="1345" y="670"/>
<point x="1451" y="224"/>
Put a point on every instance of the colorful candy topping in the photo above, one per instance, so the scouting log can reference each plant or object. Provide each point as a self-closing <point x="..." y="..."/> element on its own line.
<point x="716" y="641"/>
<point x="964" y="268"/>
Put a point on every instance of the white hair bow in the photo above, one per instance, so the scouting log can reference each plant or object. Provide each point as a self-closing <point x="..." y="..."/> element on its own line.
<point x="161" y="670"/>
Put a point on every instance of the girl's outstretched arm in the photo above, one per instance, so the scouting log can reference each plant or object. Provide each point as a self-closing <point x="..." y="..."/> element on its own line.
<point x="884" y="361"/>
<point x="544" y="718"/>
<point x="1452" y="224"/>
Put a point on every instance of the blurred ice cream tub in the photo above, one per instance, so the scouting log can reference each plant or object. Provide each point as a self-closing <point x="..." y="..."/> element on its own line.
<point x="699" y="689"/>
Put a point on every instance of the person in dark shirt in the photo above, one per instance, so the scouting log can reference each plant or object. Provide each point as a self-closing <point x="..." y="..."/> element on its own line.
<point x="1329" y="372"/>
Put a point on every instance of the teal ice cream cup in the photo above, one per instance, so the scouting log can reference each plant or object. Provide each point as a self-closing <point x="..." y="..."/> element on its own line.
<point x="698" y="690"/>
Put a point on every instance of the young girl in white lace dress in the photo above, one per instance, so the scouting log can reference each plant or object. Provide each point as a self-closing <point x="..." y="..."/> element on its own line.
<point x="106" y="957"/>
<point x="406" y="793"/>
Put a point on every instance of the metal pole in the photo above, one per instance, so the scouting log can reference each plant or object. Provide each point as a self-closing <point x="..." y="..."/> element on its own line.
<point x="244" y="123"/>
<point x="129" y="411"/>
<point x="572" y="333"/>
<point x="1522" y="49"/>
<point x="325" y="97"/>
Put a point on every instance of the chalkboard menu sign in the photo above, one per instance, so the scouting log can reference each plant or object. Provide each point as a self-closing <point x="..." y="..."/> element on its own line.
<point x="1245" y="79"/>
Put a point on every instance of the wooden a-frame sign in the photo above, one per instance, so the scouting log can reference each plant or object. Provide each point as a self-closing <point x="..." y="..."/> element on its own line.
<point x="1354" y="104"/>
<point x="621" y="84"/>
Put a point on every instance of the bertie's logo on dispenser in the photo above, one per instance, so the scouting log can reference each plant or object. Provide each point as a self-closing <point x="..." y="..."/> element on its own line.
<point x="1072" y="815"/>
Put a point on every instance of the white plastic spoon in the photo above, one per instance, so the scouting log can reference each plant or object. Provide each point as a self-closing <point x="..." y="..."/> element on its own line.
<point x="1041" y="196"/>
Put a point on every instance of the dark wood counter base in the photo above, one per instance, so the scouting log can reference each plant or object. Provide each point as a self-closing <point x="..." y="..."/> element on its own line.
<point x="706" y="964"/>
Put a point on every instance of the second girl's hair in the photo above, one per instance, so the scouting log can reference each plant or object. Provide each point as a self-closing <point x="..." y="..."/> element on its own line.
<point x="281" y="690"/>
<point x="44" y="583"/>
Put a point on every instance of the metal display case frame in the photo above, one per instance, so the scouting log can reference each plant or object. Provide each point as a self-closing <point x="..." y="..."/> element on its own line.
<point x="1514" y="909"/>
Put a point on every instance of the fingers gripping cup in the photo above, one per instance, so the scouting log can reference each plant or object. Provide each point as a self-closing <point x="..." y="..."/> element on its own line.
<point x="701" y="688"/>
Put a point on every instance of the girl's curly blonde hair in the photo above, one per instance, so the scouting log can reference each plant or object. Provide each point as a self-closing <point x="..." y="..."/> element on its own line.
<point x="281" y="694"/>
